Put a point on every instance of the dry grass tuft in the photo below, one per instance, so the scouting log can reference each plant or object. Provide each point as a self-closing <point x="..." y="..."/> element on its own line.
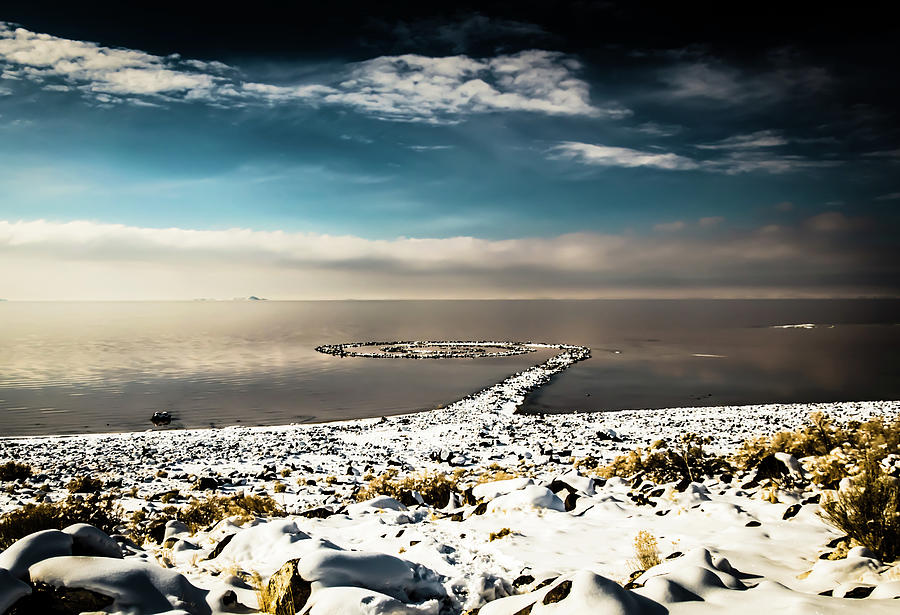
<point x="646" y="551"/>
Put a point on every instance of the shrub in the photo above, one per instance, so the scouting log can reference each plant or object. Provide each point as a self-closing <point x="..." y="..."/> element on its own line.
<point x="100" y="511"/>
<point x="662" y="463"/>
<point x="84" y="484"/>
<point x="868" y="511"/>
<point x="279" y="487"/>
<point x="832" y="451"/>
<point x="499" y="534"/>
<point x="434" y="487"/>
<point x="199" y="514"/>
<point x="12" y="470"/>
<point x="646" y="551"/>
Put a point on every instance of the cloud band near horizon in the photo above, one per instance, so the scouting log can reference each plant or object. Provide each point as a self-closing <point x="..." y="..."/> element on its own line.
<point x="824" y="256"/>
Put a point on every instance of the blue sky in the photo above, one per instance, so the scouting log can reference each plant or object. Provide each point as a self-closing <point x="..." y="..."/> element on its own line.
<point x="566" y="168"/>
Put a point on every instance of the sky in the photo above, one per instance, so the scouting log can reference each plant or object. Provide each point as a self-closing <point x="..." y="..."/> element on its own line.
<point x="493" y="150"/>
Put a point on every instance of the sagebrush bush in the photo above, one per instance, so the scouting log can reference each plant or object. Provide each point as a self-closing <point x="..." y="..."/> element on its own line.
<point x="101" y="511"/>
<point x="663" y="463"/>
<point x="434" y="487"/>
<point x="833" y="450"/>
<point x="84" y="484"/>
<point x="13" y="470"/>
<point x="199" y="514"/>
<point x="868" y="510"/>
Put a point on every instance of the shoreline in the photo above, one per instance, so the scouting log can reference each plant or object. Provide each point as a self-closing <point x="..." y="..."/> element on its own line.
<point x="854" y="406"/>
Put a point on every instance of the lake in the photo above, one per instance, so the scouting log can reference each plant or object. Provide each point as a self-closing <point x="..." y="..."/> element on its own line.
<point x="90" y="367"/>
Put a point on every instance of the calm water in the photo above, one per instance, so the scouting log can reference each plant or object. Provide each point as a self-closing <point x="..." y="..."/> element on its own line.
<point x="82" y="367"/>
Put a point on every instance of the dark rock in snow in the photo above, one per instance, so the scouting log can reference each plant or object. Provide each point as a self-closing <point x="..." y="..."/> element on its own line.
<point x="219" y="547"/>
<point x="287" y="590"/>
<point x="207" y="483"/>
<point x="523" y="579"/>
<point x="558" y="593"/>
<point x="791" y="511"/>
<point x="49" y="600"/>
<point x="321" y="512"/>
<point x="860" y="592"/>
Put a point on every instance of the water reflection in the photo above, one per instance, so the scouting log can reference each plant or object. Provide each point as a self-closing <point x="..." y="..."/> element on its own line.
<point x="76" y="367"/>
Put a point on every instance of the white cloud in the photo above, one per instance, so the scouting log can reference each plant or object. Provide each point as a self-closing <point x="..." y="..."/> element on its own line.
<point x="429" y="148"/>
<point x="419" y="88"/>
<point x="762" y="138"/>
<point x="655" y="129"/>
<point x="607" y="156"/>
<point x="711" y="221"/>
<point x="82" y="260"/>
<point x="100" y="69"/>
<point x="405" y="88"/>
<point x="740" y="160"/>
<point x="670" y="227"/>
<point x="749" y="161"/>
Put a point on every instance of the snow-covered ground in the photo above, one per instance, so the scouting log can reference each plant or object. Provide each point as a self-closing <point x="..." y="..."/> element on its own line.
<point x="731" y="549"/>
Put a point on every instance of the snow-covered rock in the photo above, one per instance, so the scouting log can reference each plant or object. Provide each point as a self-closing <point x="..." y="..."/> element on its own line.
<point x="11" y="590"/>
<point x="529" y="498"/>
<point x="88" y="540"/>
<point x="34" y="548"/>
<point x="135" y="587"/>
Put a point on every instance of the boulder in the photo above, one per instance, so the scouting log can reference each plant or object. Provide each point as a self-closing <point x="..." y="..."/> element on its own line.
<point x="88" y="540"/>
<point x="174" y="529"/>
<point x="287" y="591"/>
<point x="131" y="586"/>
<point x="50" y="600"/>
<point x="206" y="483"/>
<point x="33" y="548"/>
<point x="11" y="590"/>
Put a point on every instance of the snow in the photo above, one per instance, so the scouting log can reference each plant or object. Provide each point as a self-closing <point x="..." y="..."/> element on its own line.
<point x="358" y="601"/>
<point x="496" y="488"/>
